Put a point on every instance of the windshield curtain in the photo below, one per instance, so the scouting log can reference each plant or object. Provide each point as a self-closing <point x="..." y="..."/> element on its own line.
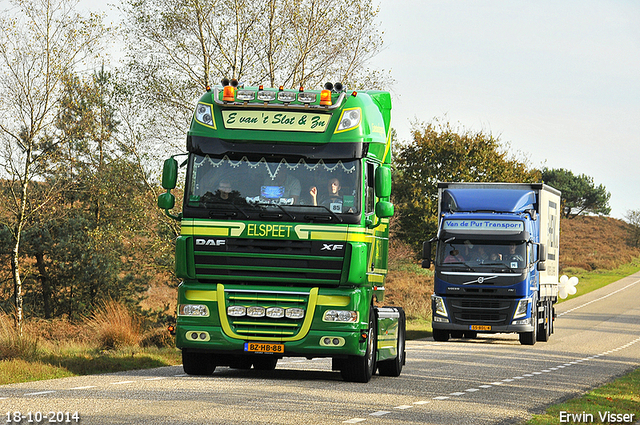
<point x="328" y="185"/>
<point x="477" y="253"/>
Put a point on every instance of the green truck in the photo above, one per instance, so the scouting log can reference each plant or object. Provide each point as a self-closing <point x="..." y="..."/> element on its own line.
<point x="284" y="231"/>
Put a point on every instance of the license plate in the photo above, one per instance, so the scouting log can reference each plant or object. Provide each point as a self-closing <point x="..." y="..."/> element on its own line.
<point x="480" y="328"/>
<point x="263" y="347"/>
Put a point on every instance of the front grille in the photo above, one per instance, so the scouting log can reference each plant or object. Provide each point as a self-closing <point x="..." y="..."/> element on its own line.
<point x="480" y="311"/>
<point x="265" y="327"/>
<point x="278" y="261"/>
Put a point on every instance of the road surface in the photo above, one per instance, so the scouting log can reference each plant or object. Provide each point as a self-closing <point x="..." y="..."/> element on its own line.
<point x="489" y="380"/>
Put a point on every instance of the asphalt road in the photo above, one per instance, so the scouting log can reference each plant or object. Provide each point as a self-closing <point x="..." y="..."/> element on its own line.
<point x="489" y="380"/>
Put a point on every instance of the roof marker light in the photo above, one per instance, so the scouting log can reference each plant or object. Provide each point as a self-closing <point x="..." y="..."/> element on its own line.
<point x="325" y="97"/>
<point x="229" y="94"/>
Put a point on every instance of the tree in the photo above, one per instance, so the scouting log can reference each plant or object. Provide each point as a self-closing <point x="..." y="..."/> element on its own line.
<point x="45" y="41"/>
<point x="439" y="152"/>
<point x="633" y="218"/>
<point x="179" y="47"/>
<point x="580" y="195"/>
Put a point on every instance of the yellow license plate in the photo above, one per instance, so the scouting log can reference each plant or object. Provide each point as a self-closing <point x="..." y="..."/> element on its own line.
<point x="263" y="347"/>
<point x="480" y="328"/>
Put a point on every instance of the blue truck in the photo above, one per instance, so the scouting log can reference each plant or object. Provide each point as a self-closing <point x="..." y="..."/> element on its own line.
<point x="496" y="260"/>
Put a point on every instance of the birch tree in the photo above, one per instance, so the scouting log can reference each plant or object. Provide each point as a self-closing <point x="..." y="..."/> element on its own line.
<point x="41" y="41"/>
<point x="179" y="47"/>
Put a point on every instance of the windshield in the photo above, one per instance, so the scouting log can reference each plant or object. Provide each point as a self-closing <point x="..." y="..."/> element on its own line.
<point x="322" y="186"/>
<point x="477" y="253"/>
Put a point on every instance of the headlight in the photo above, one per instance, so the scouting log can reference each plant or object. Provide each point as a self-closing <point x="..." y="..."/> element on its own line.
<point x="345" y="316"/>
<point x="256" y="311"/>
<point x="294" y="313"/>
<point x="439" y="306"/>
<point x="275" y="312"/>
<point x="522" y="308"/>
<point x="350" y="119"/>
<point x="194" y="310"/>
<point x="236" y="311"/>
<point x="204" y="114"/>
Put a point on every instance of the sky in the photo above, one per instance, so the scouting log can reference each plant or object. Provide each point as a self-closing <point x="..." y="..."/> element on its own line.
<point x="559" y="81"/>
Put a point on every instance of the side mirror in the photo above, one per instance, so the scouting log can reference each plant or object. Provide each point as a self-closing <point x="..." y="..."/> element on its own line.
<point x="383" y="182"/>
<point x="542" y="253"/>
<point x="170" y="174"/>
<point x="166" y="201"/>
<point x="426" y="254"/>
<point x="384" y="209"/>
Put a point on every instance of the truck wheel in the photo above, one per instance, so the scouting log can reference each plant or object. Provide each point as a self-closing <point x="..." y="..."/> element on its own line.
<point x="544" y="330"/>
<point x="440" y="335"/>
<point x="361" y="368"/>
<point x="195" y="363"/>
<point x="265" y="363"/>
<point x="529" y="338"/>
<point x="393" y="367"/>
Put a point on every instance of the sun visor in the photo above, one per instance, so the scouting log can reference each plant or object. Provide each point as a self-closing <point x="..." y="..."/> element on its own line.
<point x="494" y="200"/>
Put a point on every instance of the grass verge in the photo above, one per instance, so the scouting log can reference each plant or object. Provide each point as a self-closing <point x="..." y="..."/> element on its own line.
<point x="620" y="397"/>
<point x="61" y="364"/>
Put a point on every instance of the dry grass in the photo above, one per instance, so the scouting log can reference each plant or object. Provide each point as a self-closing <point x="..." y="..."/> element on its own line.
<point x="595" y="243"/>
<point x="13" y="345"/>
<point x="115" y="326"/>
<point x="408" y="285"/>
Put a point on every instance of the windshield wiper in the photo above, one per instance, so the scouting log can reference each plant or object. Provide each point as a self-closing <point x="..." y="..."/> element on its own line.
<point x="324" y="217"/>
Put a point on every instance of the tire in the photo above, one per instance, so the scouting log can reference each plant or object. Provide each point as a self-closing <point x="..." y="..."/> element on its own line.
<point x="440" y="335"/>
<point x="544" y="330"/>
<point x="529" y="338"/>
<point x="362" y="368"/>
<point x="195" y="363"/>
<point x="265" y="362"/>
<point x="393" y="367"/>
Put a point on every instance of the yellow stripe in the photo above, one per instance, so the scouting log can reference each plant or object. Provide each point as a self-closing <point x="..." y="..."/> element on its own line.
<point x="195" y="295"/>
<point x="333" y="300"/>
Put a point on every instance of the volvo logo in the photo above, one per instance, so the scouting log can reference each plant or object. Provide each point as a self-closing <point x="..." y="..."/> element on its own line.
<point x="480" y="280"/>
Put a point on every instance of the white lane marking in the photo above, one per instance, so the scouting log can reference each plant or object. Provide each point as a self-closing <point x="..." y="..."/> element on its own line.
<point x="379" y="413"/>
<point x="403" y="407"/>
<point x="155" y="379"/>
<point x="441" y="398"/>
<point x="122" y="382"/>
<point x="40" y="393"/>
<point x="83" y="388"/>
<point x="472" y="390"/>
<point x="457" y="394"/>
<point x="421" y="402"/>
<point x="599" y="299"/>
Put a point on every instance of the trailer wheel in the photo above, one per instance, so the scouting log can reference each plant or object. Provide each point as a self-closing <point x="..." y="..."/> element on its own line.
<point x="529" y="338"/>
<point x="393" y="367"/>
<point x="440" y="335"/>
<point x="361" y="368"/>
<point x="195" y="363"/>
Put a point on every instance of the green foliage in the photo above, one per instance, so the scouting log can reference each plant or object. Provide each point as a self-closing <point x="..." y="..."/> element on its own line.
<point x="437" y="153"/>
<point x="580" y="195"/>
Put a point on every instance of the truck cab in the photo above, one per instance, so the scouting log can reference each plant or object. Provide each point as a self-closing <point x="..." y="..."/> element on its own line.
<point x="495" y="260"/>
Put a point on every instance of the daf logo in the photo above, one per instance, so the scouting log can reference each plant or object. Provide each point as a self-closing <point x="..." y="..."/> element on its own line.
<point x="211" y="242"/>
<point x="331" y="247"/>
